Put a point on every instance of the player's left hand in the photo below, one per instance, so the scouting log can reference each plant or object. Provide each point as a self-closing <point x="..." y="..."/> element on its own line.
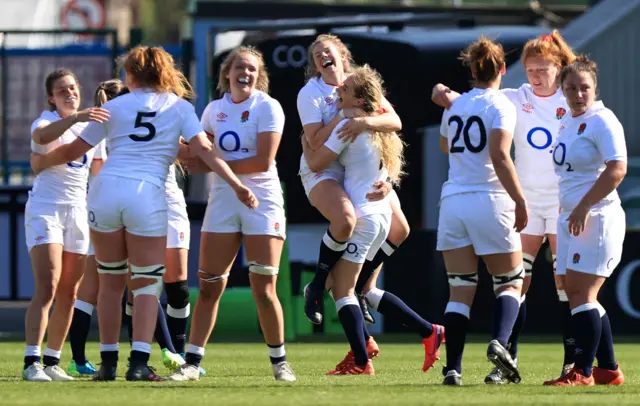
<point x="382" y="189"/>
<point x="35" y="163"/>
<point x="352" y="129"/>
<point x="578" y="219"/>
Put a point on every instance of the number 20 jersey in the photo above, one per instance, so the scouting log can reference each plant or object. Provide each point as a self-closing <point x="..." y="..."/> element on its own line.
<point x="235" y="128"/>
<point x="467" y="126"/>
<point x="535" y="135"/>
<point x="142" y="134"/>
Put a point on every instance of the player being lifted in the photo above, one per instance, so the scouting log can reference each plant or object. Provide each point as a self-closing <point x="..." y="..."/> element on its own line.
<point x="477" y="132"/>
<point x="329" y="63"/>
<point x="368" y="159"/>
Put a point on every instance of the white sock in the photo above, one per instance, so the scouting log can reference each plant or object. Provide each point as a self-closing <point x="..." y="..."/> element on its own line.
<point x="141" y="346"/>
<point x="109" y="347"/>
<point x="195" y="349"/>
<point x="32" y="351"/>
<point x="48" y="352"/>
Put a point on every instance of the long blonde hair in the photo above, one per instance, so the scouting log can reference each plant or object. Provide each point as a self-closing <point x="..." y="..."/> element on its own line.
<point x="262" y="84"/>
<point x="368" y="86"/>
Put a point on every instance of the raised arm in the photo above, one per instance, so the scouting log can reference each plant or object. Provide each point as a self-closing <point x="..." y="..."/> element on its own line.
<point x="61" y="155"/>
<point x="320" y="159"/>
<point x="50" y="131"/>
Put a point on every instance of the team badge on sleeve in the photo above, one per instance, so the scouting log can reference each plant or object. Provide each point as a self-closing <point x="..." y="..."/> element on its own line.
<point x="181" y="236"/>
<point x="582" y="127"/>
<point x="245" y="116"/>
<point x="560" y="112"/>
<point x="576" y="258"/>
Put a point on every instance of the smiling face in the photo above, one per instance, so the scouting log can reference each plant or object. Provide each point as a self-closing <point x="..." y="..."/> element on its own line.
<point x="542" y="75"/>
<point x="243" y="74"/>
<point x="579" y="88"/>
<point x="65" y="95"/>
<point x="327" y="59"/>
<point x="346" y="94"/>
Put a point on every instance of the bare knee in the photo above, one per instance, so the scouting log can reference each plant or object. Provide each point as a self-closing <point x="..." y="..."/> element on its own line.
<point x="399" y="232"/>
<point x="66" y="294"/>
<point x="343" y="227"/>
<point x="265" y="297"/>
<point x="45" y="291"/>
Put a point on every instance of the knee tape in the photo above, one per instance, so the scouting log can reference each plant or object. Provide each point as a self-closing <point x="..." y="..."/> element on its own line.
<point x="527" y="263"/>
<point x="207" y="277"/>
<point x="469" y="279"/>
<point x="512" y="278"/>
<point x="263" y="269"/>
<point x="154" y="272"/>
<point x="113" y="268"/>
<point x="177" y="294"/>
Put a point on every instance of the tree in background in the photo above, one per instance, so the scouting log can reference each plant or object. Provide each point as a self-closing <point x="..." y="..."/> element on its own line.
<point x="161" y="20"/>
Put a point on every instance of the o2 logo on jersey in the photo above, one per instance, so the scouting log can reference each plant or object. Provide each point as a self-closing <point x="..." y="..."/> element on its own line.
<point x="232" y="143"/>
<point x="559" y="160"/>
<point x="75" y="164"/>
<point x="352" y="249"/>
<point x="92" y="218"/>
<point x="535" y="141"/>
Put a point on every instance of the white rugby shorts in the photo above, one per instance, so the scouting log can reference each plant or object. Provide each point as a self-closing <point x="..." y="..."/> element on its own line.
<point x="481" y="219"/>
<point x="598" y="249"/>
<point x="139" y="206"/>
<point x="51" y="223"/>
<point x="310" y="179"/>
<point x="370" y="233"/>
<point x="543" y="220"/>
<point x="226" y="214"/>
<point x="179" y="231"/>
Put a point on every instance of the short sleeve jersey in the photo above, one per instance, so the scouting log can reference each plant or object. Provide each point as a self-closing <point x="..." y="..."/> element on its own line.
<point x="467" y="126"/>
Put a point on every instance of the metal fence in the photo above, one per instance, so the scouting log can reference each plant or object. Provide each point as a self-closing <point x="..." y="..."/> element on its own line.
<point x="90" y="54"/>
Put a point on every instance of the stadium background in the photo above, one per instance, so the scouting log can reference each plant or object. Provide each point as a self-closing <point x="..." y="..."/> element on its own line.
<point x="414" y="44"/>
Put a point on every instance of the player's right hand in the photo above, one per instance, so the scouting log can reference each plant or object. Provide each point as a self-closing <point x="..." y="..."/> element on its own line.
<point x="246" y="196"/>
<point x="439" y="95"/>
<point x="92" y="114"/>
<point x="522" y="217"/>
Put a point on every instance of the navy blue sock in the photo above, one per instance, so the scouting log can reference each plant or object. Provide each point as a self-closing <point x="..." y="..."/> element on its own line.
<point x="605" y="355"/>
<point x="352" y="322"/>
<point x="504" y="316"/>
<point x="193" y="359"/>
<point x="392" y="306"/>
<point x="369" y="267"/>
<point x="514" y="339"/>
<point x="79" y="331"/>
<point x="162" y="336"/>
<point x="456" y="325"/>
<point x="588" y="329"/>
<point x="568" y="338"/>
<point x="178" y="309"/>
<point x="330" y="252"/>
<point x="277" y="353"/>
<point x="365" y="332"/>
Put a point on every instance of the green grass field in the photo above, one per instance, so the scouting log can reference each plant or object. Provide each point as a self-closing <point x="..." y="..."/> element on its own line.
<point x="240" y="374"/>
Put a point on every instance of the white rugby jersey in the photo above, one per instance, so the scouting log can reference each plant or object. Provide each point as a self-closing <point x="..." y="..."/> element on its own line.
<point x="235" y="128"/>
<point x="142" y="134"/>
<point x="534" y="137"/>
<point x="317" y="103"/>
<point x="467" y="126"/>
<point x="362" y="168"/>
<point x="66" y="183"/>
<point x="585" y="143"/>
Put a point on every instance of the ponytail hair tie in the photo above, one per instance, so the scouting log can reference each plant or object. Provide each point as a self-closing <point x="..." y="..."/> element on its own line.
<point x="546" y="37"/>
